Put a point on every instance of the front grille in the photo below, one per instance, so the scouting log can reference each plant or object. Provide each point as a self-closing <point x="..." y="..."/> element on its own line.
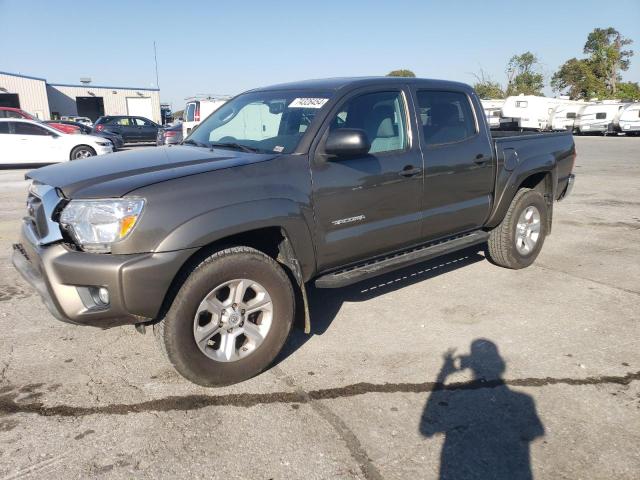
<point x="42" y="201"/>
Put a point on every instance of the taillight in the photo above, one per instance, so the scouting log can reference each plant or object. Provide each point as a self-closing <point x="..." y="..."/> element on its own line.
<point x="196" y="117"/>
<point x="99" y="128"/>
<point x="170" y="134"/>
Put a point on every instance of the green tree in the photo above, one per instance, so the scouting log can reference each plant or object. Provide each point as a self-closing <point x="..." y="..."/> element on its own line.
<point x="486" y="88"/>
<point x="629" y="91"/>
<point x="604" y="47"/>
<point x="523" y="75"/>
<point x="577" y="79"/>
<point x="401" y="73"/>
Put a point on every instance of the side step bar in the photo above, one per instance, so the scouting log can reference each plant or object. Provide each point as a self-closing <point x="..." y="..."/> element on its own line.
<point x="389" y="263"/>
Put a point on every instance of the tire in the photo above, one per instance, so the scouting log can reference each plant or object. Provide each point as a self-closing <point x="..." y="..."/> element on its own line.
<point x="82" y="151"/>
<point x="205" y="365"/>
<point x="507" y="246"/>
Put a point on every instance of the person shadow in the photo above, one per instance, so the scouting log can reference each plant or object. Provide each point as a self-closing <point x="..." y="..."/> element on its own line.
<point x="488" y="428"/>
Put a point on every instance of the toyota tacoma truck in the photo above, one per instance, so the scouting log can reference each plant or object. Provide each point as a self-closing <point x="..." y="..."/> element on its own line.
<point x="214" y="242"/>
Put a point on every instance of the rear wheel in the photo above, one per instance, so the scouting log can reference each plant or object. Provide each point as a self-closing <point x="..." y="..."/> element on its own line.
<point x="517" y="241"/>
<point x="82" y="151"/>
<point x="230" y="318"/>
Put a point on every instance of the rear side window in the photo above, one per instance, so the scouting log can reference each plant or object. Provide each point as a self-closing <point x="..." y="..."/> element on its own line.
<point x="29" y="129"/>
<point x="380" y="115"/>
<point x="601" y="115"/>
<point x="9" y="114"/>
<point x="446" y="117"/>
<point x="571" y="114"/>
<point x="4" y="127"/>
<point x="189" y="113"/>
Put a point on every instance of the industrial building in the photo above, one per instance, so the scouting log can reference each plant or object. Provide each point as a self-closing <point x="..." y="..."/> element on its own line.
<point x="49" y="101"/>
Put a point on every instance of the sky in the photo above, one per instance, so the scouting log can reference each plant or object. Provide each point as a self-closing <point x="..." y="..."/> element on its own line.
<point x="226" y="47"/>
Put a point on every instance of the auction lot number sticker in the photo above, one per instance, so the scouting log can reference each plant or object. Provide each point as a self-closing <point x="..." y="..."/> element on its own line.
<point x="308" y="102"/>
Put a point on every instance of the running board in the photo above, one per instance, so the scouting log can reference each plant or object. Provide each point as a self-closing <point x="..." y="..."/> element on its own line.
<point x="389" y="263"/>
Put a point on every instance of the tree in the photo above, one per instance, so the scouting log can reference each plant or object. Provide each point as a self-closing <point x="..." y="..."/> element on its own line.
<point x="629" y="91"/>
<point x="598" y="75"/>
<point x="523" y="75"/>
<point x="606" y="55"/>
<point x="486" y="88"/>
<point x="401" y="73"/>
<point x="577" y="79"/>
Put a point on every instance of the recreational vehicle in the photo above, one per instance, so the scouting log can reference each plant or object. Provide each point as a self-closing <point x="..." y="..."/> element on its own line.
<point x="493" y="111"/>
<point x="628" y="120"/>
<point x="598" y="117"/>
<point x="530" y="111"/>
<point x="564" y="115"/>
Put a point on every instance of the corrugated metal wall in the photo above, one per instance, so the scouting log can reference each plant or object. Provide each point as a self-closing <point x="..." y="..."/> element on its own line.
<point x="62" y="99"/>
<point x="32" y="94"/>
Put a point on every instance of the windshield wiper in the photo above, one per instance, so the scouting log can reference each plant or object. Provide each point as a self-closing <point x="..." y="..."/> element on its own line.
<point x="189" y="141"/>
<point x="236" y="146"/>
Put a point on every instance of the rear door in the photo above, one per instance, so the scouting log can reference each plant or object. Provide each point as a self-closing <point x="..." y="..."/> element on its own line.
<point x="124" y="126"/>
<point x="370" y="204"/>
<point x="10" y="145"/>
<point x="147" y="130"/>
<point x="37" y="144"/>
<point x="459" y="166"/>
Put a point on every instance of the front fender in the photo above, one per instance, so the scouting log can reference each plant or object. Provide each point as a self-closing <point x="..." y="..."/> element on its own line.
<point x="223" y="222"/>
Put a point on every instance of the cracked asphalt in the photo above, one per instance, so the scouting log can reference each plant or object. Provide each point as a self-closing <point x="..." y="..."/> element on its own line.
<point x="453" y="367"/>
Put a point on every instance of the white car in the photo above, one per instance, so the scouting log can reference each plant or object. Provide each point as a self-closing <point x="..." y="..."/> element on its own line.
<point x="29" y="142"/>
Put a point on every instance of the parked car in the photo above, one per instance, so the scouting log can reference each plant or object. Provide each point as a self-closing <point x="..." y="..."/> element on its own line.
<point x="73" y="118"/>
<point x="169" y="135"/>
<point x="29" y="142"/>
<point x="196" y="110"/>
<point x="115" y="138"/>
<point x="8" y="112"/>
<point x="132" y="129"/>
<point x="325" y="181"/>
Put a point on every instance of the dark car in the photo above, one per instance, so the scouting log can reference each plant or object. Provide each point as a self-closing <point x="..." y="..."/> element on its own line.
<point x="115" y="138"/>
<point x="132" y="129"/>
<point x="169" y="135"/>
<point x="215" y="241"/>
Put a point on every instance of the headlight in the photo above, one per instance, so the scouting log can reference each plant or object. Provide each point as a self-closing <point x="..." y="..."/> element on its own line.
<point x="96" y="224"/>
<point x="104" y="144"/>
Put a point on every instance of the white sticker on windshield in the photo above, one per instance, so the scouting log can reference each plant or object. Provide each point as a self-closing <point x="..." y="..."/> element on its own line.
<point x="278" y="149"/>
<point x="308" y="102"/>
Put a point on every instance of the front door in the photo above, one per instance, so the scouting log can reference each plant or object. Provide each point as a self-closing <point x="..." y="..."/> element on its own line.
<point x="459" y="164"/>
<point x="369" y="204"/>
<point x="147" y="130"/>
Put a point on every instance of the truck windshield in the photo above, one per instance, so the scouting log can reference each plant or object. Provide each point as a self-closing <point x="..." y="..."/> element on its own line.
<point x="264" y="122"/>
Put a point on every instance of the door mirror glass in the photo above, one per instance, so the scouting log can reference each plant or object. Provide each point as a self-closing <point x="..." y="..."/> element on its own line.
<point x="345" y="142"/>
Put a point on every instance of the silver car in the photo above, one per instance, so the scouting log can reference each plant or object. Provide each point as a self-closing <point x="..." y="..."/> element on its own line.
<point x="169" y="134"/>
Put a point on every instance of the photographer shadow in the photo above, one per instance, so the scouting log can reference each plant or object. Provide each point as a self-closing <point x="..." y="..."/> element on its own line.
<point x="488" y="428"/>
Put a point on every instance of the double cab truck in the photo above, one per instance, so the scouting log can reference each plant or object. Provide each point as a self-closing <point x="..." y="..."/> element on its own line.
<point x="215" y="242"/>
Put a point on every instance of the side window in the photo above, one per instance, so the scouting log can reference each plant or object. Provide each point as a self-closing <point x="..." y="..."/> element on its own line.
<point x="522" y="104"/>
<point x="446" y="117"/>
<point x="12" y="114"/>
<point x="601" y="115"/>
<point x="380" y="115"/>
<point x="4" y="127"/>
<point x="123" y="122"/>
<point x="22" y="128"/>
<point x="189" y="112"/>
<point x="571" y="114"/>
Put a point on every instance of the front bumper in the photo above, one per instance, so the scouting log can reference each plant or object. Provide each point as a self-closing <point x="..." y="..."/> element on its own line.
<point x="137" y="283"/>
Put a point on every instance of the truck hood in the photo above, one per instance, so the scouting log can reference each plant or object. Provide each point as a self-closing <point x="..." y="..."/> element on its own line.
<point x="117" y="174"/>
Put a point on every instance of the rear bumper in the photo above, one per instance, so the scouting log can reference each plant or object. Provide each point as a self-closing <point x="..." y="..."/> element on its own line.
<point x="65" y="279"/>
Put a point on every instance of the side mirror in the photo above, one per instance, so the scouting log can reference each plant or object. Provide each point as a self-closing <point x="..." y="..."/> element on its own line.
<point x="347" y="142"/>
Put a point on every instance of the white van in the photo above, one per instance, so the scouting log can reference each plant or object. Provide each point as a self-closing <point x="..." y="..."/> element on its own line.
<point x="598" y="117"/>
<point x="629" y="120"/>
<point x="564" y="116"/>
<point x="197" y="109"/>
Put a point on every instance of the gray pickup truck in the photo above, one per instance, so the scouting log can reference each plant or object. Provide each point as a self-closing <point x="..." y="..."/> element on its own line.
<point x="215" y="241"/>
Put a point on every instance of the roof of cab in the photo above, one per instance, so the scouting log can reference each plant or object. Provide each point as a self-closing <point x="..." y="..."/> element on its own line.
<point x="339" y="83"/>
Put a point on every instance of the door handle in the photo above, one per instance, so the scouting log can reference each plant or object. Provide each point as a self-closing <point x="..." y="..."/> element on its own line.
<point x="409" y="171"/>
<point x="481" y="159"/>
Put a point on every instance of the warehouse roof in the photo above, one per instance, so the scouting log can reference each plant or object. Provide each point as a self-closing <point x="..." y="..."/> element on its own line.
<point x="23" y="76"/>
<point x="81" y="86"/>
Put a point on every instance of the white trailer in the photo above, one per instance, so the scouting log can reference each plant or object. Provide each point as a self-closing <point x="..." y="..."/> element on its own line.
<point x="493" y="111"/>
<point x="530" y="111"/>
<point x="563" y="116"/>
<point x="598" y="117"/>
<point x="628" y="120"/>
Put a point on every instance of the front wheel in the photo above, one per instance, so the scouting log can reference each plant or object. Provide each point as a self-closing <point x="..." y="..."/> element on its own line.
<point x="82" y="151"/>
<point x="230" y="318"/>
<point x="517" y="241"/>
